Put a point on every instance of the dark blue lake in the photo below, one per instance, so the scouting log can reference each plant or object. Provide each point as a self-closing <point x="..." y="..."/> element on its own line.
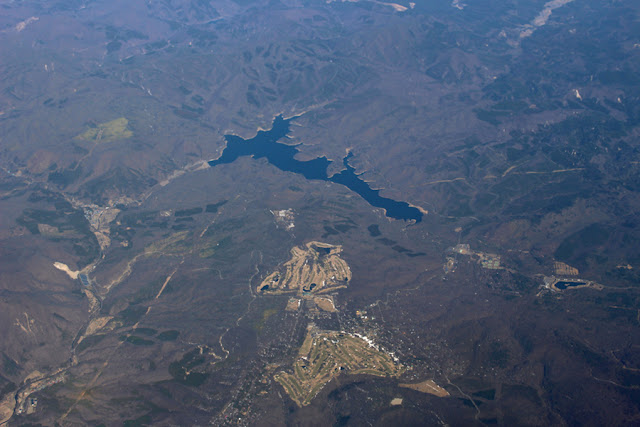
<point x="265" y="144"/>
<point x="562" y="285"/>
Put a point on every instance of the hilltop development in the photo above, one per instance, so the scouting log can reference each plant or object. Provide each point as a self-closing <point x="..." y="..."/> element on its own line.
<point x="313" y="268"/>
<point x="324" y="355"/>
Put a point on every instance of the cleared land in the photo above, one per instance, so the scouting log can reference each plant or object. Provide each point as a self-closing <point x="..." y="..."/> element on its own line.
<point x="313" y="268"/>
<point x="325" y="304"/>
<point x="7" y="404"/>
<point x="324" y="355"/>
<point x="293" y="304"/>
<point x="428" y="386"/>
<point x="66" y="269"/>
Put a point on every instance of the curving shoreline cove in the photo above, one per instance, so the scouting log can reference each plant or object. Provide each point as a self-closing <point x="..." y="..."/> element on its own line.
<point x="265" y="145"/>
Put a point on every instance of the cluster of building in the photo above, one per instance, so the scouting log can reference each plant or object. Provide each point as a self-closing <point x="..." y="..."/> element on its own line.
<point x="486" y="260"/>
<point x="284" y="218"/>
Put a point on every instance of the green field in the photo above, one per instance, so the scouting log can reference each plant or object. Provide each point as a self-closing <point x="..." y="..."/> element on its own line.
<point x="108" y="131"/>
